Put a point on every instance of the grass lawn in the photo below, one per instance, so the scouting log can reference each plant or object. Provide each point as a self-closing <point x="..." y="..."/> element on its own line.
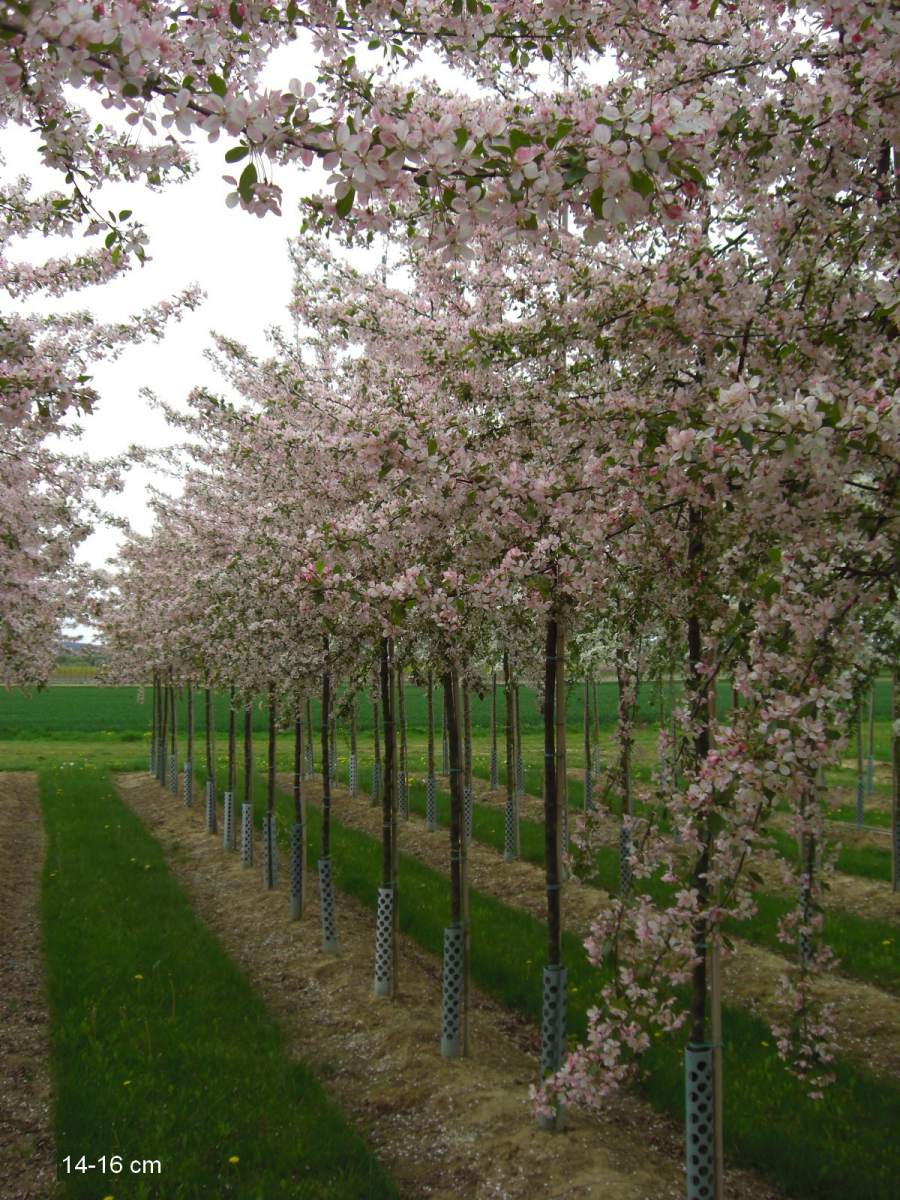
<point x="161" y="1051"/>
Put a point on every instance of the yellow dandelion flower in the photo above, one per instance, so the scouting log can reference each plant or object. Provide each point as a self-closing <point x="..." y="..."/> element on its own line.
<point x="764" y="1044"/>
<point x="126" y="1083"/>
<point x="234" y="1159"/>
<point x="139" y="977"/>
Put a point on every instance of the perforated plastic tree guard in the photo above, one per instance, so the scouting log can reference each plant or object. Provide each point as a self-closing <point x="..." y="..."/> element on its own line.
<point x="520" y="776"/>
<point x="509" y="829"/>
<point x="353" y="774"/>
<point x="188" y="783"/>
<point x="699" y="1133"/>
<point x="403" y="795"/>
<point x="624" y="861"/>
<point x="246" y="835"/>
<point x="308" y="755"/>
<point x="595" y="761"/>
<point x="161" y="767"/>
<point x="228" y="820"/>
<point x="495" y="776"/>
<point x="445" y="754"/>
<point x="467" y="810"/>
<point x="588" y="789"/>
<point x="210" y="806"/>
<point x="553" y="1033"/>
<point x="296" y="870"/>
<point x="431" y="804"/>
<point x="376" y="782"/>
<point x="270" y="851"/>
<point x="451" y="1015"/>
<point x="332" y="768"/>
<point x="173" y="774"/>
<point x="553" y="1020"/>
<point x="326" y="906"/>
<point x="384" y="941"/>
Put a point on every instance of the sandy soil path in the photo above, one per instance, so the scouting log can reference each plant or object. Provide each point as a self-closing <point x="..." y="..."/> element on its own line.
<point x="27" y="1147"/>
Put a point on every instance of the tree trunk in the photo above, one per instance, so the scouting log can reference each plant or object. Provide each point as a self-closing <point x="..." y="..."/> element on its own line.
<point x="895" y="781"/>
<point x="468" y="798"/>
<point x="273" y="725"/>
<point x="232" y="742"/>
<point x="298" y="770"/>
<point x="248" y="753"/>
<point x="511" y="824"/>
<point x="551" y="807"/>
<point x="494" y="779"/>
<point x="431" y="763"/>
<point x="403" y="790"/>
<point x="377" y="773"/>
<point x="326" y="772"/>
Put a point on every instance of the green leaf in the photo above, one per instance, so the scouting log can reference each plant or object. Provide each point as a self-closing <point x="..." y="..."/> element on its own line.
<point x="111" y="238"/>
<point x="547" y="51"/>
<point x="217" y="84"/>
<point x="246" y="182"/>
<point x="235" y="13"/>
<point x="432" y="445"/>
<point x="517" y="138"/>
<point x="345" y="204"/>
<point x="124" y="214"/>
<point x="596" y="202"/>
<point x="641" y="182"/>
<point x="236" y="153"/>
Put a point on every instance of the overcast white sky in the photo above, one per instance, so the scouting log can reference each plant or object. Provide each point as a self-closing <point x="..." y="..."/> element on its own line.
<point x="239" y="260"/>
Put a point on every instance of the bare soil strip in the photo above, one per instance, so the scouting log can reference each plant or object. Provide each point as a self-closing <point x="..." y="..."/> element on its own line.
<point x="867" y="1019"/>
<point x="447" y="1128"/>
<point x="853" y="893"/>
<point x="27" y="1147"/>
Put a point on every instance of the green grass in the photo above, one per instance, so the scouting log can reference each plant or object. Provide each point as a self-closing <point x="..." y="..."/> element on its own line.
<point x="61" y="711"/>
<point x="141" y="992"/>
<point x="841" y="1148"/>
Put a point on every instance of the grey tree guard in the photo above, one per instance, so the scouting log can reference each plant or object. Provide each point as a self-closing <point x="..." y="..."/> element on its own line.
<point x="210" y="806"/>
<point x="228" y="820"/>
<point x="188" y="781"/>
<point x="451" y="992"/>
<point x="326" y="907"/>
<point x="246" y="835"/>
<point x="384" y="947"/>
<point x="699" y="1135"/>
<point x="296" y="871"/>
<point x="270" y="851"/>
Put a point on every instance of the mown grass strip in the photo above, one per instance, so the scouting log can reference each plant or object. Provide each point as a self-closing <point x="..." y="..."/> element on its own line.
<point x="160" y="1047"/>
<point x="840" y="1148"/>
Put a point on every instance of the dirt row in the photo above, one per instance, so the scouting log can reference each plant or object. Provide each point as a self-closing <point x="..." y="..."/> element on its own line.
<point x="27" y="1147"/>
<point x="446" y="1128"/>
<point x="867" y="1019"/>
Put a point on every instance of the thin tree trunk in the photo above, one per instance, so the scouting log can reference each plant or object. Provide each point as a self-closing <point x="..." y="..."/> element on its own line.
<point x="326" y="773"/>
<point x="273" y="726"/>
<point x="431" y="763"/>
<point x="468" y="796"/>
<point x="298" y="770"/>
<point x="696" y="683"/>
<point x="404" y="761"/>
<point x="248" y="753"/>
<point x="232" y="745"/>
<point x="309" y="736"/>
<point x="870" y="749"/>
<point x="511" y="838"/>
<point x="377" y="773"/>
<point x="210" y="749"/>
<point x="588" y="769"/>
<point x="551" y="808"/>
<point x="494" y="780"/>
<point x="163" y="769"/>
<point x="895" y="781"/>
<point x="562" y="779"/>
<point x="190" y="722"/>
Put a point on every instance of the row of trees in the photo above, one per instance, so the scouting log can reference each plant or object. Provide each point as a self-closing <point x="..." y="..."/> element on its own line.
<point x="641" y="404"/>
